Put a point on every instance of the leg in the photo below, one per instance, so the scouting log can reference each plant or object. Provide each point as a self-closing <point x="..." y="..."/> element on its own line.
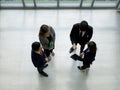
<point x="52" y="53"/>
<point x="85" y="65"/>
<point x="47" y="52"/>
<point x="71" y="50"/>
<point x="40" y="70"/>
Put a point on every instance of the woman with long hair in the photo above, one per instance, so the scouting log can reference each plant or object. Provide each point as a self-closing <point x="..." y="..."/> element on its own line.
<point x="47" y="39"/>
<point x="88" y="56"/>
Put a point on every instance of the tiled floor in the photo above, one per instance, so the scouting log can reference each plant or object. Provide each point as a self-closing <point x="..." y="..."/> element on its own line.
<point x="19" y="28"/>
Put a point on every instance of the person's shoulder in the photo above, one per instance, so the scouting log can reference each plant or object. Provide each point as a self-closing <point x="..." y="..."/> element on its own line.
<point x="34" y="53"/>
<point x="76" y="24"/>
<point x="90" y="27"/>
<point x="50" y="26"/>
<point x="51" y="29"/>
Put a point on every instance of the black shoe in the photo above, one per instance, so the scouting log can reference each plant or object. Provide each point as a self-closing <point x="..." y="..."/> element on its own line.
<point x="46" y="65"/>
<point x="81" y="68"/>
<point x="71" y="50"/>
<point x="44" y="74"/>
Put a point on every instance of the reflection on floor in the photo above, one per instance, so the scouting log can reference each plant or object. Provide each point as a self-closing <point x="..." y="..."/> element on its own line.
<point x="19" y="28"/>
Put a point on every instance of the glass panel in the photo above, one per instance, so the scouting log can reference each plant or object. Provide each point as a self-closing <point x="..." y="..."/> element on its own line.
<point x="29" y="3"/>
<point x="119" y="5"/>
<point x="46" y="3"/>
<point x="62" y="3"/>
<point x="70" y="3"/>
<point x="11" y="3"/>
<point x="87" y="3"/>
<point x="105" y="3"/>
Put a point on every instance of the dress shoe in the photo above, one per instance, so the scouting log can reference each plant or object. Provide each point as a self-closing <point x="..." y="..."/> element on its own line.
<point x="71" y="50"/>
<point x="81" y="68"/>
<point x="44" y="74"/>
<point x="46" y="65"/>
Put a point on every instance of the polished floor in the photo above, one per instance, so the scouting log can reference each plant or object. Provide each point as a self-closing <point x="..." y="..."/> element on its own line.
<point x="19" y="28"/>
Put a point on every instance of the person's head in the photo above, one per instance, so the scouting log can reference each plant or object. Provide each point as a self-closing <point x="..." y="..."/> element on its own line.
<point x="36" y="46"/>
<point x="44" y="30"/>
<point x="84" y="25"/>
<point x="92" y="46"/>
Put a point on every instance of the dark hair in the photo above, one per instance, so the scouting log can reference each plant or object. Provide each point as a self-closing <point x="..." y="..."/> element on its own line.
<point x="43" y="29"/>
<point x="83" y="25"/>
<point x="35" y="46"/>
<point x="92" y="46"/>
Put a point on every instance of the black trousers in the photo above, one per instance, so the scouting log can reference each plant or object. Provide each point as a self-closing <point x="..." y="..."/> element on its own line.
<point x="85" y="64"/>
<point x="47" y="52"/>
<point x="40" y="69"/>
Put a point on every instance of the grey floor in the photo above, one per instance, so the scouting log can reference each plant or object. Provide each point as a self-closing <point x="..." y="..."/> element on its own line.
<point x="19" y="28"/>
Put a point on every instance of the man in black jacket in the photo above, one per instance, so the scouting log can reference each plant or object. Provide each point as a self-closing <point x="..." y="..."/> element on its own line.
<point x="81" y="33"/>
<point x="39" y="59"/>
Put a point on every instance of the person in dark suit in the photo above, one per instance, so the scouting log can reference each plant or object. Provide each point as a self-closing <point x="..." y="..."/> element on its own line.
<point x="81" y="33"/>
<point x="87" y="56"/>
<point x="39" y="59"/>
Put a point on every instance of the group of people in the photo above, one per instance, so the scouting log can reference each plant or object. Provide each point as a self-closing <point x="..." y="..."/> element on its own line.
<point x="81" y="34"/>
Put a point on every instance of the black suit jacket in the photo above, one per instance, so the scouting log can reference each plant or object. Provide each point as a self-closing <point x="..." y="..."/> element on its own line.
<point x="37" y="59"/>
<point x="75" y="34"/>
<point x="89" y="57"/>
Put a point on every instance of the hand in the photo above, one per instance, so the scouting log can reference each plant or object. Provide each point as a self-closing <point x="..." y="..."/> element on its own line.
<point x="47" y="59"/>
<point x="81" y="54"/>
<point x="74" y="46"/>
<point x="53" y="54"/>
